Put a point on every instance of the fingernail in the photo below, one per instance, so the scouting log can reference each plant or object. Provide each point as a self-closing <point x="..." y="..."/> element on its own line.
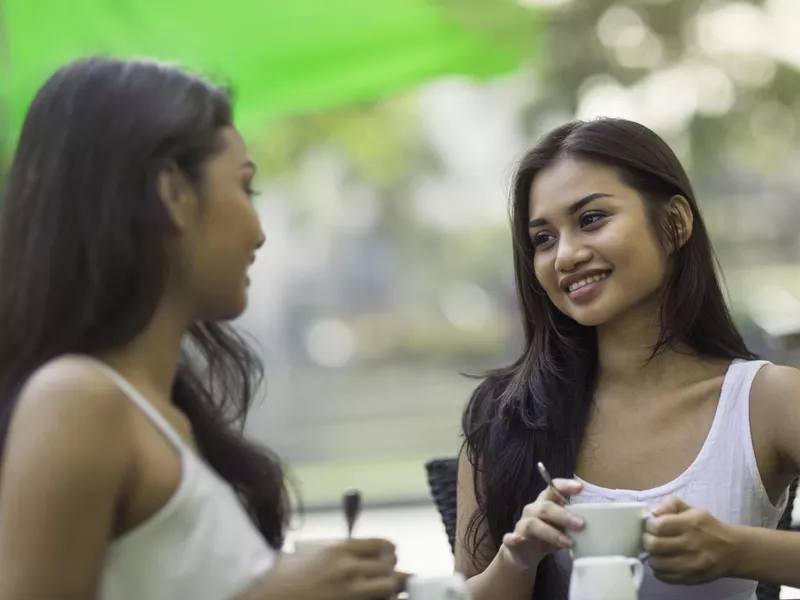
<point x="576" y="522"/>
<point x="564" y="541"/>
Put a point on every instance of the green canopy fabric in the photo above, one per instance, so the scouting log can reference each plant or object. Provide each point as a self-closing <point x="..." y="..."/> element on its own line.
<point x="282" y="57"/>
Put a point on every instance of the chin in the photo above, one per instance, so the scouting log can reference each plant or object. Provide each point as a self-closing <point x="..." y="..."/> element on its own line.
<point x="228" y="311"/>
<point x="589" y="320"/>
<point x="601" y="314"/>
<point x="237" y="311"/>
<point x="593" y="316"/>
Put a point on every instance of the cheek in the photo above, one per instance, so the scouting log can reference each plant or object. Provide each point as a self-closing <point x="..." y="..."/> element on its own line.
<point x="644" y="261"/>
<point x="545" y="272"/>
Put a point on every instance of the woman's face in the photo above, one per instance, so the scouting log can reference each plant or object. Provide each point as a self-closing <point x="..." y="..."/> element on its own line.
<point x="595" y="252"/>
<point x="221" y="241"/>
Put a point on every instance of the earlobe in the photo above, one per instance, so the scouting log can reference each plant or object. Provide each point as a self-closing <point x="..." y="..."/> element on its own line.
<point x="175" y="194"/>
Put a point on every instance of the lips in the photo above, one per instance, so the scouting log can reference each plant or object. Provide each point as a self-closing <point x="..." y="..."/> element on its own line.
<point x="576" y="281"/>
<point x="574" y="287"/>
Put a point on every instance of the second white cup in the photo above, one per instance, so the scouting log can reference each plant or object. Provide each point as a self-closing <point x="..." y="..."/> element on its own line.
<point x="449" y="587"/>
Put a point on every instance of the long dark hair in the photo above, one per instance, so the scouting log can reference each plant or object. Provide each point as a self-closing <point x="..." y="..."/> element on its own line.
<point x="538" y="407"/>
<point x="83" y="259"/>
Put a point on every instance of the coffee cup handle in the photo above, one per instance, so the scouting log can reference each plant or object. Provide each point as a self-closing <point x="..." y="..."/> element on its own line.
<point x="638" y="572"/>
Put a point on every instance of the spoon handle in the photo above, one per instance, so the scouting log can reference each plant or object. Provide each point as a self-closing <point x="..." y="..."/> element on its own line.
<point x="549" y="481"/>
<point x="352" y="508"/>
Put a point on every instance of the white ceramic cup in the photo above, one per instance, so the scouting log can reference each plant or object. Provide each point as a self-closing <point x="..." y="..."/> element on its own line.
<point x="610" y="529"/>
<point x="606" y="578"/>
<point x="449" y="587"/>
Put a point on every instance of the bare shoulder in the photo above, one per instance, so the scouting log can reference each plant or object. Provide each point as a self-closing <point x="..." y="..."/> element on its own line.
<point x="69" y="402"/>
<point x="775" y="411"/>
<point x="775" y="407"/>
<point x="71" y="387"/>
<point x="775" y="385"/>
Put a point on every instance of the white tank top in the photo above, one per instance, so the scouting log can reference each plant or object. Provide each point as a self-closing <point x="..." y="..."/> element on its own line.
<point x="723" y="479"/>
<point x="201" y="544"/>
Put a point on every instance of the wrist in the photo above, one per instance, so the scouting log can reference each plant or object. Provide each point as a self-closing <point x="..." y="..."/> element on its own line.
<point x="740" y="556"/>
<point x="508" y="560"/>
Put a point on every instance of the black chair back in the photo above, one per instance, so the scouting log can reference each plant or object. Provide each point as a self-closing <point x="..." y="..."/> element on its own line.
<point x="442" y="480"/>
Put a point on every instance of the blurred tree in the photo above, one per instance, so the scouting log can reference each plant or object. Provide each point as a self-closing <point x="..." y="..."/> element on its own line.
<point x="721" y="76"/>
<point x="382" y="146"/>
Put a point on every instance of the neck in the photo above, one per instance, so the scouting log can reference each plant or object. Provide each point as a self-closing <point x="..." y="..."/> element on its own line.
<point x="150" y="361"/>
<point x="625" y="347"/>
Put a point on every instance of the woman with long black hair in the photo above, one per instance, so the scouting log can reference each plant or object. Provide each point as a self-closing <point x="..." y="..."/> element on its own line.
<point x="634" y="385"/>
<point x="126" y="233"/>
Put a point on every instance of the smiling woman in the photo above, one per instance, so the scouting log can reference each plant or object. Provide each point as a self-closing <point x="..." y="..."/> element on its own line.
<point x="634" y="386"/>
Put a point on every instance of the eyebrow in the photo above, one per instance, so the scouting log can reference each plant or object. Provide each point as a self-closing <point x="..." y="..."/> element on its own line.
<point x="574" y="207"/>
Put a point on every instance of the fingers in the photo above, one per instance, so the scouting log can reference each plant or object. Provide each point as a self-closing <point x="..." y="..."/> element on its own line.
<point x="367" y="571"/>
<point x="373" y="576"/>
<point x="670" y="505"/>
<point x="383" y="587"/>
<point x="568" y="487"/>
<point x="663" y="546"/>
<point x="533" y="527"/>
<point x="373" y="567"/>
<point x="669" y="568"/>
<point x="368" y="548"/>
<point x="546" y="521"/>
<point x="667" y="525"/>
<point x="554" y="514"/>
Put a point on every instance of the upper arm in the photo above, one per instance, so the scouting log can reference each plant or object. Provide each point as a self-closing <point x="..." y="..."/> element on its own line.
<point x="468" y="562"/>
<point x="776" y="396"/>
<point x="64" y="466"/>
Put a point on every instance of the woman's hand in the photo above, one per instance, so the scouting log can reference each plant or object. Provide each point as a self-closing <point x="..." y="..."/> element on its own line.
<point x="350" y="570"/>
<point x="541" y="529"/>
<point x="687" y="545"/>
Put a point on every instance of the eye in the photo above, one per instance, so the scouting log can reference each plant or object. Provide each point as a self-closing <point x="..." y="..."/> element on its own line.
<point x="541" y="239"/>
<point x="591" y="218"/>
<point x="251" y="193"/>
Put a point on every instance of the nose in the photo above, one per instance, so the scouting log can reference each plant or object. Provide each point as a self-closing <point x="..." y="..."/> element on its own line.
<point x="262" y="239"/>
<point x="571" y="254"/>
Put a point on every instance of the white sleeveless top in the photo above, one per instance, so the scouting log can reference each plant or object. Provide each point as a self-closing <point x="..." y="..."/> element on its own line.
<point x="201" y="544"/>
<point x="723" y="479"/>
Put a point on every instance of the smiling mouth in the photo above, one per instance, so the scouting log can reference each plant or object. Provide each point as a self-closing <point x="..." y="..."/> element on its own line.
<point x="587" y="281"/>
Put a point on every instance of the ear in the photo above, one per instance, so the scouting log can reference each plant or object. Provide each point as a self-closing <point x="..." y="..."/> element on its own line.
<point x="679" y="212"/>
<point x="178" y="196"/>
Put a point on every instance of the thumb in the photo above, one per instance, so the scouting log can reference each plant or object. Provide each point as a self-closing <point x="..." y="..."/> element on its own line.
<point x="671" y="505"/>
<point x="568" y="486"/>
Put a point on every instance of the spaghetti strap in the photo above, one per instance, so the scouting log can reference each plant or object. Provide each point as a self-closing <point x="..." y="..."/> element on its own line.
<point x="741" y="384"/>
<point x="158" y="421"/>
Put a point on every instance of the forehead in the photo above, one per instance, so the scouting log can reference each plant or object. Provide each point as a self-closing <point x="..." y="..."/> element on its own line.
<point x="561" y="184"/>
<point x="233" y="146"/>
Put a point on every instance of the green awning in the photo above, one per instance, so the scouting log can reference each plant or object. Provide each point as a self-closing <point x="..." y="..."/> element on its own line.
<point x="282" y="57"/>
